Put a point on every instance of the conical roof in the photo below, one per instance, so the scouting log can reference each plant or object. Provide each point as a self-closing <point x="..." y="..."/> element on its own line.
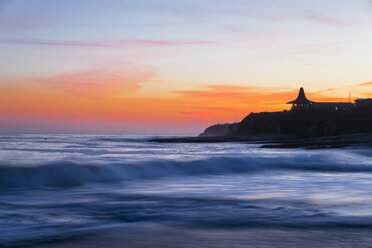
<point x="301" y="98"/>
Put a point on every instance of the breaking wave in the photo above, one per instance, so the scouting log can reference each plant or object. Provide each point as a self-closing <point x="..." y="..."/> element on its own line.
<point x="69" y="174"/>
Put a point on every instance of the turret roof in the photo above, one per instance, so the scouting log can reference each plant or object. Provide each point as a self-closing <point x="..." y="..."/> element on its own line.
<point x="301" y="98"/>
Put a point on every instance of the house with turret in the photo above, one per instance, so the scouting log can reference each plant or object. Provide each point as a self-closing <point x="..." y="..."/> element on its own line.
<point x="301" y="103"/>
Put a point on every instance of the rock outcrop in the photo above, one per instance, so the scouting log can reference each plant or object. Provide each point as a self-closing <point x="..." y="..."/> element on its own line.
<point x="297" y="124"/>
<point x="219" y="130"/>
<point x="313" y="129"/>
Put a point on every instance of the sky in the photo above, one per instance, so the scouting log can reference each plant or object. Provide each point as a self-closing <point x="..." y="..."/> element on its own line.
<point x="174" y="66"/>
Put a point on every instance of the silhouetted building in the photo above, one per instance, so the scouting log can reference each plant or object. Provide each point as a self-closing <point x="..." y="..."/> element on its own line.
<point x="302" y="103"/>
<point x="333" y="105"/>
<point x="360" y="102"/>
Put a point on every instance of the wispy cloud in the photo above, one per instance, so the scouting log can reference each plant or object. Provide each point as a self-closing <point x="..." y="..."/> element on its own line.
<point x="259" y="47"/>
<point x="298" y="47"/>
<point x="324" y="20"/>
<point x="102" y="82"/>
<point x="281" y="13"/>
<point x="105" y="44"/>
<point x="226" y="95"/>
<point x="342" y="94"/>
<point x="309" y="17"/>
<point x="365" y="84"/>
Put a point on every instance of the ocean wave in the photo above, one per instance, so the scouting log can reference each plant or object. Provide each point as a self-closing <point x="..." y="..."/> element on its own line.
<point x="118" y="209"/>
<point x="68" y="173"/>
<point x="120" y="140"/>
<point x="129" y="139"/>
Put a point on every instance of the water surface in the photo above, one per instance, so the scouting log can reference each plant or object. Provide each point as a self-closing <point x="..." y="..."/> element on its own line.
<point x="65" y="188"/>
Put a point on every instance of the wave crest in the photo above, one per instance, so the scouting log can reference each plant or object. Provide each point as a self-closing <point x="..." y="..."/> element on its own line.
<point x="69" y="174"/>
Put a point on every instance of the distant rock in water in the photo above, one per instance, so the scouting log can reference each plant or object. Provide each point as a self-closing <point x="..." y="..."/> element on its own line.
<point x="219" y="130"/>
<point x="297" y="124"/>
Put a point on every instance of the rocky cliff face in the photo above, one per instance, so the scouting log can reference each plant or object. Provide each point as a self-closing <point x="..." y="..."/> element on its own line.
<point x="297" y="124"/>
<point x="220" y="130"/>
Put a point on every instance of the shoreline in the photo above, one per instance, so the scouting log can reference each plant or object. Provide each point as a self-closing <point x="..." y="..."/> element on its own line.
<point x="337" y="141"/>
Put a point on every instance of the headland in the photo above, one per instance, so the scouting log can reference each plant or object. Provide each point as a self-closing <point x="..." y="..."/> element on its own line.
<point x="307" y="124"/>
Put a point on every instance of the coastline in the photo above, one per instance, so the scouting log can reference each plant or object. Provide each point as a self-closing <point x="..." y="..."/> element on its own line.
<point x="337" y="141"/>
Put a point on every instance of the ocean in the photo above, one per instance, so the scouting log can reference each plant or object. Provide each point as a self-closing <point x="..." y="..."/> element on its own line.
<point x="89" y="190"/>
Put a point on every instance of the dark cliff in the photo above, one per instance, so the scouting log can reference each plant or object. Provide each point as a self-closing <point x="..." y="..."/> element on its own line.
<point x="301" y="124"/>
<point x="220" y="130"/>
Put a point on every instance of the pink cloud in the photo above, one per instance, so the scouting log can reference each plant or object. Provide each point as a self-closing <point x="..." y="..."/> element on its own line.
<point x="313" y="47"/>
<point x="105" y="44"/>
<point x="107" y="81"/>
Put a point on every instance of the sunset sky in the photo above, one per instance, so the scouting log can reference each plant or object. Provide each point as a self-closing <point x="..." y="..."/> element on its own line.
<point x="174" y="66"/>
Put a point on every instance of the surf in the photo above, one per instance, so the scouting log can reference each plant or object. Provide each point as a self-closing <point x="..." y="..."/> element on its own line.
<point x="75" y="173"/>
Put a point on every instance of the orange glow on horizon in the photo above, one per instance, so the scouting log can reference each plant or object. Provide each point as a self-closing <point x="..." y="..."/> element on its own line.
<point x="208" y="105"/>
